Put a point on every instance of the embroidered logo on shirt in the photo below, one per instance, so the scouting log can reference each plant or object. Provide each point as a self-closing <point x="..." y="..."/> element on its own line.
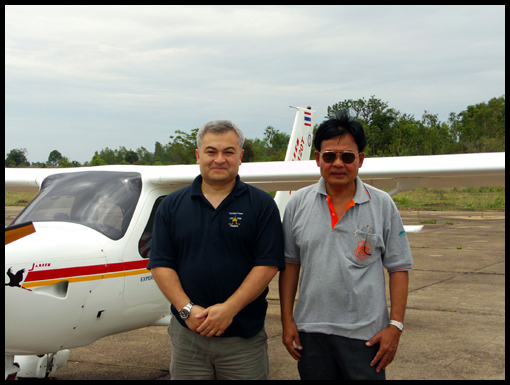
<point x="363" y="248"/>
<point x="235" y="219"/>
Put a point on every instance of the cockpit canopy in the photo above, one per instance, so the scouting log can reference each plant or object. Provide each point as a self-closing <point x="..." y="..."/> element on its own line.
<point x="102" y="200"/>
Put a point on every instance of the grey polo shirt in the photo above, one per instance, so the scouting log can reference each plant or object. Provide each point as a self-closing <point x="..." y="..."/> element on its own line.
<point x="342" y="289"/>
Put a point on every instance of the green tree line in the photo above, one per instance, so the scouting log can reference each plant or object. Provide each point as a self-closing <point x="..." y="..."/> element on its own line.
<point x="480" y="128"/>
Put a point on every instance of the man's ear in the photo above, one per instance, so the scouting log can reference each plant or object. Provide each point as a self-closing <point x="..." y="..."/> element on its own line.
<point x="361" y="159"/>
<point x="317" y="158"/>
<point x="241" y="157"/>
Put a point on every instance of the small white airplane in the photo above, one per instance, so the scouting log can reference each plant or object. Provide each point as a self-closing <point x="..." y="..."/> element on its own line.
<point x="76" y="256"/>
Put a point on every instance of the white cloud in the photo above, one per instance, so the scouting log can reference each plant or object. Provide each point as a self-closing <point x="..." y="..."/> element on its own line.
<point x="137" y="73"/>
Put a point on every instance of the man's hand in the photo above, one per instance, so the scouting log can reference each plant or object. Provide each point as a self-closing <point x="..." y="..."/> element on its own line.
<point x="289" y="336"/>
<point x="215" y="319"/>
<point x="389" y="339"/>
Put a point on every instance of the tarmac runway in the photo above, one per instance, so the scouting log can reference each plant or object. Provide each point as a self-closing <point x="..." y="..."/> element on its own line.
<point x="454" y="324"/>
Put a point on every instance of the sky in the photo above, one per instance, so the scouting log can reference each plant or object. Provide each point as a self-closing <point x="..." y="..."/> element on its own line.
<point x="80" y="78"/>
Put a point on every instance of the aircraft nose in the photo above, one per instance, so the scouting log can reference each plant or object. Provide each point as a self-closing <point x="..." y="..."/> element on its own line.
<point x="48" y="276"/>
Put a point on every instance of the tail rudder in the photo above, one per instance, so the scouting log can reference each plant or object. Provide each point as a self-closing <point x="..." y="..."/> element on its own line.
<point x="300" y="146"/>
<point x="300" y="142"/>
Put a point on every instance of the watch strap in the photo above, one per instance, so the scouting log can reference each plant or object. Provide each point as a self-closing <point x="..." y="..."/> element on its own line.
<point x="185" y="311"/>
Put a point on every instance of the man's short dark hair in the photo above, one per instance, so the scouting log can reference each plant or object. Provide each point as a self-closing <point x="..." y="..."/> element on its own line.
<point x="340" y="123"/>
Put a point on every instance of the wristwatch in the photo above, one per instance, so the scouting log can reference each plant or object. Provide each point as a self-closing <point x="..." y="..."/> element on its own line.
<point x="185" y="311"/>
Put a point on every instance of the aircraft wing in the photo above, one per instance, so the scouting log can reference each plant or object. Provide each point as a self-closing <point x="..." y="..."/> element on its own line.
<point x="25" y="179"/>
<point x="455" y="170"/>
<point x="398" y="173"/>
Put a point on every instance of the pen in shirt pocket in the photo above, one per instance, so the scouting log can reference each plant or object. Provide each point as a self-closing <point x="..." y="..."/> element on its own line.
<point x="361" y="231"/>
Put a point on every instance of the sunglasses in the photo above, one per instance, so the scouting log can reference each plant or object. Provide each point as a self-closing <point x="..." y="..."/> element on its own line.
<point x="330" y="156"/>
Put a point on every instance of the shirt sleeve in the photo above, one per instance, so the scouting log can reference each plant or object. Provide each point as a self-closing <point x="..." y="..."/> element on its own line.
<point x="269" y="241"/>
<point x="292" y="254"/>
<point x="397" y="256"/>
<point x="162" y="250"/>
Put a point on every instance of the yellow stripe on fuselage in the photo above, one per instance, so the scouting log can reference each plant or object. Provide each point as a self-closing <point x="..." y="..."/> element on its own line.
<point x="86" y="278"/>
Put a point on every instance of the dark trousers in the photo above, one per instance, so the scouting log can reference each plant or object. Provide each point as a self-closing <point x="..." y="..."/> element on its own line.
<point x="330" y="357"/>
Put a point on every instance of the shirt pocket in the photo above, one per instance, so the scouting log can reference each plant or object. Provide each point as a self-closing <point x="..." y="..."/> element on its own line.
<point x="364" y="248"/>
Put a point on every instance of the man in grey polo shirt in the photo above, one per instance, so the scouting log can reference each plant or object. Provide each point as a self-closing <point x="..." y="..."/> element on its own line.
<point x="342" y="233"/>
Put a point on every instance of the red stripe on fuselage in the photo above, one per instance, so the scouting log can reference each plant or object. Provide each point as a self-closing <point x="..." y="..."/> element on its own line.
<point x="85" y="270"/>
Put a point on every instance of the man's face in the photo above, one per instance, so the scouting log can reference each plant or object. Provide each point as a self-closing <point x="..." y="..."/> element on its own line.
<point x="339" y="175"/>
<point x="219" y="157"/>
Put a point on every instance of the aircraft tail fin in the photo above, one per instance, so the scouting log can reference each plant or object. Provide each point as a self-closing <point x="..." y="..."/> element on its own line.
<point x="300" y="146"/>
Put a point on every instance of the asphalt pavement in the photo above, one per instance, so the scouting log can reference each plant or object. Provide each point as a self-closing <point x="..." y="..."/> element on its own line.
<point x="454" y="324"/>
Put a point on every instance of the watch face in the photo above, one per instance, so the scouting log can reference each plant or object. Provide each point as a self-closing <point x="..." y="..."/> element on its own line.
<point x="184" y="313"/>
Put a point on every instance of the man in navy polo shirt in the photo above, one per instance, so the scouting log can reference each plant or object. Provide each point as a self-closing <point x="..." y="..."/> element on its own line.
<point x="216" y="246"/>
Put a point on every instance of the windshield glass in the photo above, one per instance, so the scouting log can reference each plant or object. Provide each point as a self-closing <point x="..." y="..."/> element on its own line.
<point x="102" y="200"/>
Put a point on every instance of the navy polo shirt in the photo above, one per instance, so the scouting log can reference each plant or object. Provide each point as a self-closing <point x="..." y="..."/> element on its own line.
<point x="213" y="250"/>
